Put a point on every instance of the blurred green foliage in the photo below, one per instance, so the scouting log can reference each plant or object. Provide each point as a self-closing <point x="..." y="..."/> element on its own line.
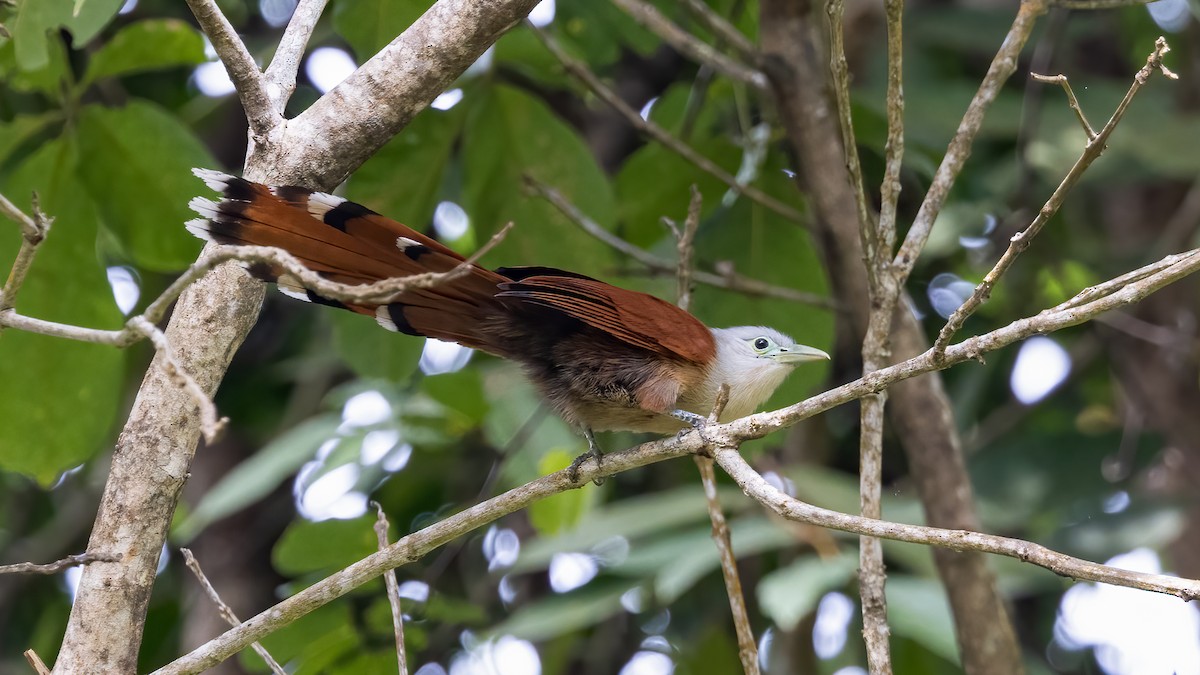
<point x="99" y="117"/>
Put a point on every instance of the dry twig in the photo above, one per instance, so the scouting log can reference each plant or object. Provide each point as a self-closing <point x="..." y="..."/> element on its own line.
<point x="1021" y="241"/>
<point x="225" y="611"/>
<point x="58" y="565"/>
<point x="728" y="280"/>
<point x="393" y="590"/>
<point x="247" y="79"/>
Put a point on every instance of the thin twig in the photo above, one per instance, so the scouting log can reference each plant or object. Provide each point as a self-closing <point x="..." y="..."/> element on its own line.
<point x="725" y="436"/>
<point x="1002" y="67"/>
<point x="730" y="280"/>
<point x="393" y="589"/>
<point x="1072" y="102"/>
<point x="723" y="30"/>
<point x="280" y="75"/>
<point x="58" y="565"/>
<point x="1021" y="241"/>
<point x="243" y="72"/>
<point x="211" y="424"/>
<point x="840" y="74"/>
<point x="689" y="45"/>
<point x="36" y="662"/>
<point x="225" y="611"/>
<point x="33" y="233"/>
<point x="747" y="647"/>
<point x="654" y="131"/>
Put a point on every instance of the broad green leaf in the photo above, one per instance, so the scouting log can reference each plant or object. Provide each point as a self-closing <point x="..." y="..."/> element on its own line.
<point x="136" y="163"/>
<point x="918" y="610"/>
<point x="403" y="179"/>
<point x="558" y="615"/>
<point x="88" y="17"/>
<point x="509" y="133"/>
<point x="311" y="547"/>
<point x="259" y="475"/>
<point x="631" y="518"/>
<point x="368" y="25"/>
<point x="58" y="398"/>
<point x="791" y="593"/>
<point x="46" y="78"/>
<point x="30" y="30"/>
<point x="146" y="45"/>
<point x="372" y="351"/>
<point x="18" y="131"/>
<point x="296" y="639"/>
<point x="557" y="513"/>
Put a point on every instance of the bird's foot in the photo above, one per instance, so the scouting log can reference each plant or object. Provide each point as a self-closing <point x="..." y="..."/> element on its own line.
<point x="593" y="452"/>
<point x="697" y="422"/>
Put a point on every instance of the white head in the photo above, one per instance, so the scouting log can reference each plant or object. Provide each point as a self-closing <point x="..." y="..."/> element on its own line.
<point x="753" y="361"/>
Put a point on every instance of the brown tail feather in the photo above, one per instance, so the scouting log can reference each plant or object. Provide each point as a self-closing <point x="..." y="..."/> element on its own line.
<point x="349" y="243"/>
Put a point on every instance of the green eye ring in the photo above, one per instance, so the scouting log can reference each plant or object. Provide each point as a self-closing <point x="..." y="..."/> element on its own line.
<point x="761" y="344"/>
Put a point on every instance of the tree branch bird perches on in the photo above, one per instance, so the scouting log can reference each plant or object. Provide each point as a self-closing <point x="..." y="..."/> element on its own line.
<point x="605" y="358"/>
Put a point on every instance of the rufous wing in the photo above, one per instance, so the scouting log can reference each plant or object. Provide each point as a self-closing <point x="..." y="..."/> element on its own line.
<point x="635" y="318"/>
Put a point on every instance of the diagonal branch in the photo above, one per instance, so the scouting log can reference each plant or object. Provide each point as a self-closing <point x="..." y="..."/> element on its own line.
<point x="657" y="133"/>
<point x="280" y="76"/>
<point x="1002" y="67"/>
<point x="689" y="45"/>
<point x="1021" y="241"/>
<point x="730" y="280"/>
<point x="243" y="71"/>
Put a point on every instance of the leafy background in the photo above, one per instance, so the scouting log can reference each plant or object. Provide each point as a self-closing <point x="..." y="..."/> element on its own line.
<point x="102" y="116"/>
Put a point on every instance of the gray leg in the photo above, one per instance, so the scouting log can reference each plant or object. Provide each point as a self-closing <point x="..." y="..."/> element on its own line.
<point x="593" y="451"/>
<point x="697" y="422"/>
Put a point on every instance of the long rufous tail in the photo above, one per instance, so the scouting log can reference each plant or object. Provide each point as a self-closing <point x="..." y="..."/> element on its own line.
<point x="351" y="244"/>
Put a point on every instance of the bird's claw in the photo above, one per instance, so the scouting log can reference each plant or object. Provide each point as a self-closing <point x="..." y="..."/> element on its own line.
<point x="593" y="451"/>
<point x="695" y="422"/>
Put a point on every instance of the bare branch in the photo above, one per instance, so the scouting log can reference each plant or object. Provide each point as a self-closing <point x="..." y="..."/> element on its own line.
<point x="729" y="280"/>
<point x="280" y="76"/>
<point x="1002" y="67"/>
<point x="58" y="565"/>
<point x="723" y="30"/>
<point x="1071" y="100"/>
<point x="689" y="45"/>
<point x="1021" y="241"/>
<point x="33" y="233"/>
<point x="225" y="610"/>
<point x="725" y="437"/>
<point x="243" y="71"/>
<point x="393" y="589"/>
<point x="36" y="662"/>
<point x="657" y="133"/>
<point x="840" y="74"/>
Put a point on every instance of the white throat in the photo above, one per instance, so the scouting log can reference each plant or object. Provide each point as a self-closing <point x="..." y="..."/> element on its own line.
<point x="751" y="378"/>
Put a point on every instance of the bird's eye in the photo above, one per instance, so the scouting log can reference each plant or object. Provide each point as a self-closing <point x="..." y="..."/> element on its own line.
<point x="761" y="344"/>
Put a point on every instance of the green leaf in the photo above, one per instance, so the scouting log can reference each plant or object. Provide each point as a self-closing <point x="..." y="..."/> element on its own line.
<point x="789" y="594"/>
<point x="88" y="18"/>
<point x="259" y="475"/>
<point x="558" y="513"/>
<point x="136" y="163"/>
<point x="22" y="127"/>
<point x="404" y="178"/>
<point x="918" y="610"/>
<point x="58" y="398"/>
<point x="561" y="614"/>
<point x="371" y="351"/>
<point x="146" y="45"/>
<point x="509" y="134"/>
<point x="30" y="27"/>
<point x="46" y="78"/>
<point x="368" y="25"/>
<point x="330" y="544"/>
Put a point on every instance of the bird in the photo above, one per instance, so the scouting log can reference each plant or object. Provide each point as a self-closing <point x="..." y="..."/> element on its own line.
<point x="604" y="358"/>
